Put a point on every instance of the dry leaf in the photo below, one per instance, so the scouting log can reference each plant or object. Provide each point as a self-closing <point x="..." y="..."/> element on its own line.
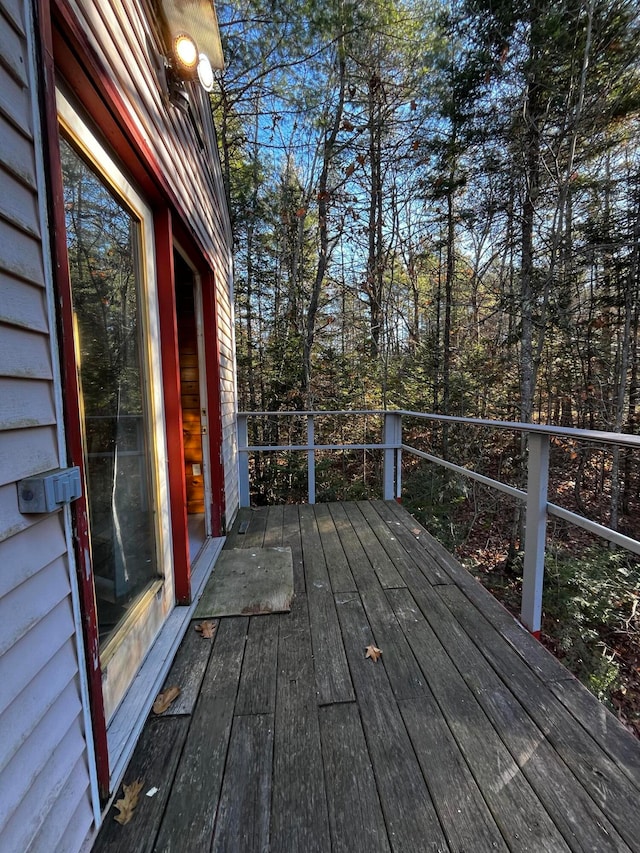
<point x="373" y="653"/>
<point x="206" y="629"/>
<point x="127" y="804"/>
<point x="164" y="699"/>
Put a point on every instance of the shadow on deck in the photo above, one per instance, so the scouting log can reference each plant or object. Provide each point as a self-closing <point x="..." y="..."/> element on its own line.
<point x="465" y="736"/>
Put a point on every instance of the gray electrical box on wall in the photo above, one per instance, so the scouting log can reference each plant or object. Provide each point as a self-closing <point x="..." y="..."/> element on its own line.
<point x="49" y="491"/>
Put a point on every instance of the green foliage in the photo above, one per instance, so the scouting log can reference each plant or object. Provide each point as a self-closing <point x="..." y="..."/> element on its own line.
<point x="432" y="494"/>
<point x="588" y="607"/>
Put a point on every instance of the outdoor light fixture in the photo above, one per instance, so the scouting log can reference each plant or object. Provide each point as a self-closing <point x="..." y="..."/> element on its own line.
<point x="185" y="54"/>
<point x="193" y="39"/>
<point x="205" y="73"/>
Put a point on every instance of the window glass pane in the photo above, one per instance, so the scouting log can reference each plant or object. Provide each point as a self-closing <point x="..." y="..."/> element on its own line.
<point x="103" y="242"/>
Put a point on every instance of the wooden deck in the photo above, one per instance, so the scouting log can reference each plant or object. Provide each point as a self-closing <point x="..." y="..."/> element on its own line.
<point x="465" y="736"/>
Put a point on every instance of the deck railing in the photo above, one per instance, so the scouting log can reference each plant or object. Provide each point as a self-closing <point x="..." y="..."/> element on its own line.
<point x="535" y="498"/>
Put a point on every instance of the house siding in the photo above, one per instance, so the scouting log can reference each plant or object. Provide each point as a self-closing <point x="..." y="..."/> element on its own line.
<point x="44" y="765"/>
<point x="120" y="36"/>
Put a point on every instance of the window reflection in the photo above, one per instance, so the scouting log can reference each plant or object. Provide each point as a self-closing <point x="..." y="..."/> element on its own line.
<point x="102" y="241"/>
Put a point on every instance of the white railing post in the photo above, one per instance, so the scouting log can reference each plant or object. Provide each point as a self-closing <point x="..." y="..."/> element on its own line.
<point x="243" y="460"/>
<point x="535" y="531"/>
<point x="311" y="460"/>
<point x="392" y="435"/>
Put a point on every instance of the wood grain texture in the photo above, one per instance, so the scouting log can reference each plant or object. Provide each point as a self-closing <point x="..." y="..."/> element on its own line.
<point x="257" y="690"/>
<point x="333" y="682"/>
<point x="242" y="822"/>
<point x="335" y="559"/>
<point x="535" y="655"/>
<point x="355" y="813"/>
<point x="604" y="728"/>
<point x="154" y="762"/>
<point x="299" y="819"/>
<point x="411" y="819"/>
<point x="188" y="669"/>
<point x="403" y="671"/>
<point x="396" y="521"/>
<point x="381" y="563"/>
<point x="189" y="817"/>
<point x="612" y="791"/>
<point x="517" y="811"/>
<point x="463" y="812"/>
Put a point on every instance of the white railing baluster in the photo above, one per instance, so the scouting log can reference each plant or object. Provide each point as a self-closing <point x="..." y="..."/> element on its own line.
<point x="311" y="460"/>
<point x="243" y="461"/>
<point x="393" y="443"/>
<point x="535" y="531"/>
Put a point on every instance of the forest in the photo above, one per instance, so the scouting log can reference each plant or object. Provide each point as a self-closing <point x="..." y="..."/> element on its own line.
<point x="436" y="207"/>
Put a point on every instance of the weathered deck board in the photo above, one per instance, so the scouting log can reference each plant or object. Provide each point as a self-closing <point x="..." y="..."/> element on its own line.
<point x="464" y="815"/>
<point x="154" y="763"/>
<point x="520" y="815"/>
<point x="609" y="789"/>
<point x="242" y="821"/>
<point x="337" y="563"/>
<point x="380" y="561"/>
<point x="188" y="670"/>
<point x="333" y="682"/>
<point x="257" y="689"/>
<point x="355" y="814"/>
<point x="299" y="817"/>
<point x="582" y="824"/>
<point x="403" y="671"/>
<point x="407" y="806"/>
<point x="191" y="809"/>
<point x="465" y="736"/>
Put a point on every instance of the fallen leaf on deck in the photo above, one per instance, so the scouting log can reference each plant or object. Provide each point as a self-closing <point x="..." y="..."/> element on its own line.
<point x="206" y="629"/>
<point x="373" y="653"/>
<point x="164" y="699"/>
<point x="127" y="804"/>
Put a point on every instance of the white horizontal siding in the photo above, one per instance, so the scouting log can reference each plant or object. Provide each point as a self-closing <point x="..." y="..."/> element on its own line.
<point x="30" y="602"/>
<point x="23" y="661"/>
<point x="22" y="304"/>
<point x="26" y="452"/>
<point x="29" y="708"/>
<point x="20" y="251"/>
<point x="15" y="156"/>
<point x="44" y="773"/>
<point x="67" y="825"/>
<point x="12" y="49"/>
<point x="25" y="404"/>
<point x="24" y="354"/>
<point x="18" y="203"/>
<point x="45" y="786"/>
<point x="29" y="552"/>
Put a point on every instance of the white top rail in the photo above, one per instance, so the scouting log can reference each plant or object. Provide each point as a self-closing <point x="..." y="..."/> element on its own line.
<point x="601" y="436"/>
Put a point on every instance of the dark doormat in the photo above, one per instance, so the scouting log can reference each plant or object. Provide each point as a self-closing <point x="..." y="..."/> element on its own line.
<point x="248" y="581"/>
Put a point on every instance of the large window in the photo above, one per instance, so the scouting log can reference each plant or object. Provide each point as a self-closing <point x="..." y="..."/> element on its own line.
<point x="120" y="411"/>
<point x="106" y="278"/>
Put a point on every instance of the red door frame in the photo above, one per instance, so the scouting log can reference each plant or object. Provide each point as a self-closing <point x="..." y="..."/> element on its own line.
<point x="212" y="373"/>
<point x="212" y="355"/>
<point x="65" y="50"/>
